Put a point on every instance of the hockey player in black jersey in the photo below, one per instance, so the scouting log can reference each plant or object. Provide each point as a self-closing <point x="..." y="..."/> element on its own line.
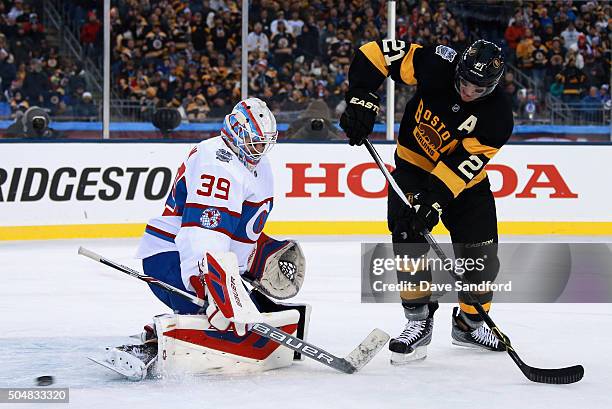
<point x="455" y="123"/>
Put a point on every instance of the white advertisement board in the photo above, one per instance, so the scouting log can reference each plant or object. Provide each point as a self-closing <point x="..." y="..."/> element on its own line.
<point x="44" y="184"/>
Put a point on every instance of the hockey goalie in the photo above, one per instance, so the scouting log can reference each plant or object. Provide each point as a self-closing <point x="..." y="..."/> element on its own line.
<point x="209" y="241"/>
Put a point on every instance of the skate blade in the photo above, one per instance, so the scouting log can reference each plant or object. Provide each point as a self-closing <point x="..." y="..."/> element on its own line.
<point x="419" y="354"/>
<point x="121" y="371"/>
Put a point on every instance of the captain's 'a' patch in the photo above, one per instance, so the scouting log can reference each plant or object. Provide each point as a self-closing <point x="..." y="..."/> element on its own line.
<point x="446" y="52"/>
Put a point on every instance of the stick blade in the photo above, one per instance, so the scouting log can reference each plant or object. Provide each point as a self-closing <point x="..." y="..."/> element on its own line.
<point x="88" y="253"/>
<point x="368" y="348"/>
<point x="560" y="376"/>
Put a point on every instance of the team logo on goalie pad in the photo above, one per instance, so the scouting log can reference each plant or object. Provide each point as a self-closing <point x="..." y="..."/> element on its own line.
<point x="211" y="218"/>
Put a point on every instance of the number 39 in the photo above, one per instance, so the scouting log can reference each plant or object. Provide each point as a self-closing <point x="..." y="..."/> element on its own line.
<point x="208" y="185"/>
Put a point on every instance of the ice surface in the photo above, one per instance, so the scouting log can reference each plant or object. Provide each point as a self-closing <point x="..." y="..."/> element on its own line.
<point x="57" y="308"/>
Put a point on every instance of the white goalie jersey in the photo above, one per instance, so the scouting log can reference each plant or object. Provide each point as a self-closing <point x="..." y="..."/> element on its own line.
<point x="216" y="205"/>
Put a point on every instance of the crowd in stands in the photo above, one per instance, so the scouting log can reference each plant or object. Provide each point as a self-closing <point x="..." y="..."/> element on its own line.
<point x="32" y="73"/>
<point x="564" y="47"/>
<point x="187" y="53"/>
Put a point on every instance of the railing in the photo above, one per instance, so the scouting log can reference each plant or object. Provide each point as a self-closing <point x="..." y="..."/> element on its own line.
<point x="135" y="111"/>
<point x="579" y="113"/>
<point x="70" y="43"/>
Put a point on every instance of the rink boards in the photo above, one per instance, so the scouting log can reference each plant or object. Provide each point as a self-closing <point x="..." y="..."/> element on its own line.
<point x="66" y="190"/>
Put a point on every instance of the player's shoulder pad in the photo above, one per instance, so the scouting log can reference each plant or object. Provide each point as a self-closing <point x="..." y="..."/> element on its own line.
<point x="498" y="123"/>
<point x="212" y="155"/>
<point x="435" y="65"/>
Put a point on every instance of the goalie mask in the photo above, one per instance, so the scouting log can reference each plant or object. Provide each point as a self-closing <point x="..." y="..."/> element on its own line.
<point x="250" y="131"/>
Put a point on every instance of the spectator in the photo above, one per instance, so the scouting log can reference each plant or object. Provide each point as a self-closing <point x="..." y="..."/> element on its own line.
<point x="556" y="49"/>
<point x="85" y="107"/>
<point x="308" y="43"/>
<point x="262" y="77"/>
<point x="591" y="106"/>
<point x="15" y="12"/>
<point x="556" y="88"/>
<point x="220" y="36"/>
<point x="340" y="49"/>
<point x="282" y="45"/>
<point x="595" y="70"/>
<point x="524" y="52"/>
<point x="280" y="18"/>
<point x="540" y="61"/>
<point x="514" y="33"/>
<point x="89" y="33"/>
<point x="554" y="67"/>
<point x="34" y="28"/>
<point x="570" y="35"/>
<point x="573" y="80"/>
<point x="295" y="24"/>
<point x="36" y="84"/>
<point x="8" y="70"/>
<point x="155" y="42"/>
<point x="198" y="109"/>
<point x="199" y="32"/>
<point x="257" y="40"/>
<point x="604" y="94"/>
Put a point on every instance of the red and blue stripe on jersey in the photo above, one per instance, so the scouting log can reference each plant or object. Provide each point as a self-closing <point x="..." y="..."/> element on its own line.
<point x="244" y="227"/>
<point x="159" y="233"/>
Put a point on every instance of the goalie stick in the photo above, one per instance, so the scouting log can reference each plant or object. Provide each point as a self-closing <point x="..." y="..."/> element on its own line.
<point x="566" y="375"/>
<point x="352" y="363"/>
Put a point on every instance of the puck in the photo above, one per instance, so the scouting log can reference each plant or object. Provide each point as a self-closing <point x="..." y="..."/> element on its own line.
<point x="44" y="380"/>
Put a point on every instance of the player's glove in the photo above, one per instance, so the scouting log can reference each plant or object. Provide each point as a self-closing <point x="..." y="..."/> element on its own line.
<point x="358" y="118"/>
<point x="426" y="213"/>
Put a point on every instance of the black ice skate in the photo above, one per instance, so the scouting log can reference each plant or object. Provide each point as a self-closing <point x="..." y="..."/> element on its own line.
<point x="473" y="334"/>
<point x="411" y="344"/>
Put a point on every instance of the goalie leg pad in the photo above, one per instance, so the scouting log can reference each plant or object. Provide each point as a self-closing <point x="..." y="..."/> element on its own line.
<point x="189" y="345"/>
<point x="266" y="304"/>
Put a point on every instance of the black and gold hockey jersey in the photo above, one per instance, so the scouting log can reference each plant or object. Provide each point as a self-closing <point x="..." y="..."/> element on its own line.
<point x="451" y="139"/>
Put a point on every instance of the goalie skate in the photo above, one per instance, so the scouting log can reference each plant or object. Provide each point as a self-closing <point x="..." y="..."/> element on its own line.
<point x="130" y="361"/>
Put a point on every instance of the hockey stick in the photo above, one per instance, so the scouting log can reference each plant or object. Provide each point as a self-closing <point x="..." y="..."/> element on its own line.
<point x="352" y="363"/>
<point x="566" y="375"/>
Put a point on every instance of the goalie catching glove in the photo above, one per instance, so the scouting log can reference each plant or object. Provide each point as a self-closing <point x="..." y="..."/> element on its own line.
<point x="276" y="268"/>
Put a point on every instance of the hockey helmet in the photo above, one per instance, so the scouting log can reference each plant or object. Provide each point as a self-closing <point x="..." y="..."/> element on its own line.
<point x="250" y="130"/>
<point x="481" y="64"/>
